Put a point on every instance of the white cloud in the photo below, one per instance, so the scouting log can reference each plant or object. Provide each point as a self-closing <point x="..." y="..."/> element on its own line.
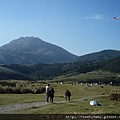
<point x="96" y="17"/>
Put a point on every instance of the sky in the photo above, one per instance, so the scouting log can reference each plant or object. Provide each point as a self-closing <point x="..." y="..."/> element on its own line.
<point x="79" y="26"/>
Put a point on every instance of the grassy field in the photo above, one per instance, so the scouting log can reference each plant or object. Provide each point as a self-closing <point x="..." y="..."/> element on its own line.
<point x="97" y="75"/>
<point x="72" y="107"/>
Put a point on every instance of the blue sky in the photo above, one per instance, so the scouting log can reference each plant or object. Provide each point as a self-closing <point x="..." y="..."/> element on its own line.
<point x="79" y="26"/>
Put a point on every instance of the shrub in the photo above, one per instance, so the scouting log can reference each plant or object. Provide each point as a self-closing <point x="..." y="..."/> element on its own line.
<point x="26" y="90"/>
<point x="17" y="91"/>
<point x="8" y="90"/>
<point x="2" y="90"/>
<point x="40" y="90"/>
<point x="5" y="90"/>
<point x="22" y="87"/>
<point x="5" y="83"/>
<point x="114" y="96"/>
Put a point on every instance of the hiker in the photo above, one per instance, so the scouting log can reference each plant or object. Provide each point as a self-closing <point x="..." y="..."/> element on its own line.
<point x="86" y="87"/>
<point x="47" y="92"/>
<point x="52" y="91"/>
<point x="67" y="95"/>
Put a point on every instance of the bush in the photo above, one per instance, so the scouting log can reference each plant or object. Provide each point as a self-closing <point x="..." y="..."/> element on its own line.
<point x="9" y="90"/>
<point x="26" y="90"/>
<point x="40" y="90"/>
<point x="2" y="90"/>
<point x="114" y="96"/>
<point x="6" y="90"/>
<point x="17" y="91"/>
<point x="5" y="83"/>
<point x="20" y="87"/>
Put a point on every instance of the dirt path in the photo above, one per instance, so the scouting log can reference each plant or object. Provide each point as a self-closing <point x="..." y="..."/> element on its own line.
<point x="36" y="104"/>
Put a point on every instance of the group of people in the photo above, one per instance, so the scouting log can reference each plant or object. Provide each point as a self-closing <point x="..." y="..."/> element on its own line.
<point x="50" y="94"/>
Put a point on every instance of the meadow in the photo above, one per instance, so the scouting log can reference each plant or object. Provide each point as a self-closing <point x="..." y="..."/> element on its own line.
<point x="75" y="106"/>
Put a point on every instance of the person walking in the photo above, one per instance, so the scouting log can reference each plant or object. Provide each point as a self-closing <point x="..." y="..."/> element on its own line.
<point x="67" y="95"/>
<point x="47" y="92"/>
<point x="52" y="91"/>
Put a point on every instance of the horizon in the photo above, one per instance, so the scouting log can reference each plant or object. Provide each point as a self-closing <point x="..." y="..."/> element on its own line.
<point x="58" y="46"/>
<point x="80" y="27"/>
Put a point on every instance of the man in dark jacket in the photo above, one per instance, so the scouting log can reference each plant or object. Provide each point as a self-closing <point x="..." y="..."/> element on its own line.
<point x="52" y="91"/>
<point x="67" y="95"/>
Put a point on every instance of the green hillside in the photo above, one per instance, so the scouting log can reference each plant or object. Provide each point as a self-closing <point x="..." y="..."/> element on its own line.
<point x="102" y="55"/>
<point x="113" y="65"/>
<point x="7" y="73"/>
<point x="105" y="70"/>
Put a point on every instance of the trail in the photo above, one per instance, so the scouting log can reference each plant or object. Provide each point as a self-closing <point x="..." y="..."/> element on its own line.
<point x="37" y="104"/>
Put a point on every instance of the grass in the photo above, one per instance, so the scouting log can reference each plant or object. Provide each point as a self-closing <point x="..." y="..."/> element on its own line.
<point x="10" y="99"/>
<point x="81" y="107"/>
<point x="72" y="107"/>
<point x="97" y="75"/>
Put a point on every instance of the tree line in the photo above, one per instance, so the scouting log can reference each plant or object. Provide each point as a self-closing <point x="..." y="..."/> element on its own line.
<point x="49" y="71"/>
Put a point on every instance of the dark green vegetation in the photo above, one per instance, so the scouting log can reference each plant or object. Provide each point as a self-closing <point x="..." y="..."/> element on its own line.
<point x="20" y="87"/>
<point x="30" y="58"/>
<point x="102" y="55"/>
<point x="91" y="71"/>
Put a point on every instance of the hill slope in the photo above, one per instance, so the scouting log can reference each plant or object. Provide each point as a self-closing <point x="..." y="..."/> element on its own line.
<point x="105" y="54"/>
<point x="51" y="71"/>
<point x="32" y="50"/>
<point x="8" y="73"/>
<point x="113" y="65"/>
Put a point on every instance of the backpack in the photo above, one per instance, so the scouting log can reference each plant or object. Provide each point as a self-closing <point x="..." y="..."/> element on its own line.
<point x="67" y="93"/>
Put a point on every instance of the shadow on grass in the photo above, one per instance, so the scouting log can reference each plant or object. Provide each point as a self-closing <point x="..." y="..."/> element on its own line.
<point x="60" y="96"/>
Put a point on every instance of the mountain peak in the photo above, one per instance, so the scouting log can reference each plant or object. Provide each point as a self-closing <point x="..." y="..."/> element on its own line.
<point x="32" y="50"/>
<point x="23" y="40"/>
<point x="29" y="38"/>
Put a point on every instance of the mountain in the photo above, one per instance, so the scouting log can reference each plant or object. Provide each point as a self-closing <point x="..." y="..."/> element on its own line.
<point x="62" y="70"/>
<point x="32" y="50"/>
<point x="113" y="65"/>
<point x="102" y="55"/>
<point x="8" y="73"/>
